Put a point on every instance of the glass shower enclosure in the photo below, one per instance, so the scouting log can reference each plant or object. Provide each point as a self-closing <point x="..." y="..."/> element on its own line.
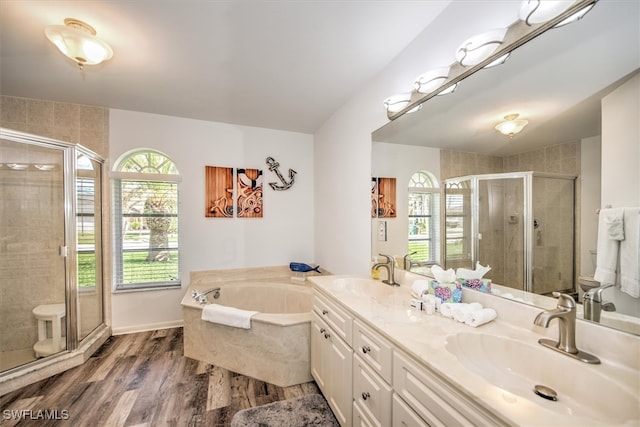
<point x="522" y="224"/>
<point x="51" y="294"/>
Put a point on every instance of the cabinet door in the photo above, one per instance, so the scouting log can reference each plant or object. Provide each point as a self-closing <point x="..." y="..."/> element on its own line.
<point x="340" y="379"/>
<point x="319" y="353"/>
<point x="371" y="393"/>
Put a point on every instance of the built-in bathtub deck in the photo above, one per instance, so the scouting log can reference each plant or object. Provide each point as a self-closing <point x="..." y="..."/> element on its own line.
<point x="277" y="347"/>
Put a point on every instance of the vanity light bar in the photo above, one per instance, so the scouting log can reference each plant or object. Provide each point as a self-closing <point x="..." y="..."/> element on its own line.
<point x="517" y="34"/>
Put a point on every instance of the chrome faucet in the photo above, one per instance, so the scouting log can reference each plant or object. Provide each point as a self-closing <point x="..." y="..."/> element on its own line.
<point x="594" y="305"/>
<point x="390" y="266"/>
<point x="407" y="261"/>
<point x="565" y="312"/>
<point x="200" y="297"/>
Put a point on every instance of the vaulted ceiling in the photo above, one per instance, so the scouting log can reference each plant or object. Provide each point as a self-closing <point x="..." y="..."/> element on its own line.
<point x="278" y="64"/>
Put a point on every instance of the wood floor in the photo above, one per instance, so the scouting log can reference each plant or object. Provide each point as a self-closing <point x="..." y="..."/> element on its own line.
<point x="141" y="380"/>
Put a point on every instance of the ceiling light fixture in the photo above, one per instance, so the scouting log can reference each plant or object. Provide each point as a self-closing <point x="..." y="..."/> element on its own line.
<point x="77" y="40"/>
<point x="511" y="125"/>
<point x="476" y="49"/>
<point x="538" y="11"/>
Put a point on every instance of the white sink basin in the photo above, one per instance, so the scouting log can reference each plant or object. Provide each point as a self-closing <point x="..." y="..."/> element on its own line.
<point x="583" y="390"/>
<point x="360" y="287"/>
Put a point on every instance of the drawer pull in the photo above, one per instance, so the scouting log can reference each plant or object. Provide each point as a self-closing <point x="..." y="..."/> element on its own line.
<point x="366" y="349"/>
<point x="322" y="330"/>
<point x="365" y="395"/>
<point x="325" y="312"/>
<point x="326" y="336"/>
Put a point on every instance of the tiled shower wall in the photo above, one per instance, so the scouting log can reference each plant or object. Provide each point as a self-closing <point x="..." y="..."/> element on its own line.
<point x="82" y="124"/>
<point x="23" y="286"/>
<point x="559" y="159"/>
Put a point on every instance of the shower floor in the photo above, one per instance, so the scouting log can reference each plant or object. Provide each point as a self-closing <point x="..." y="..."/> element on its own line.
<point x="11" y="359"/>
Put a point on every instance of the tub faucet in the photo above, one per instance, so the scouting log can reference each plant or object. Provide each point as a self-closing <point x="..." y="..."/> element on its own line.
<point x="593" y="303"/>
<point x="389" y="265"/>
<point x="565" y="312"/>
<point x="201" y="297"/>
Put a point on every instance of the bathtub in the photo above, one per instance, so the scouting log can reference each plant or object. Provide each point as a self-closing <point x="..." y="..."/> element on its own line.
<point x="276" y="348"/>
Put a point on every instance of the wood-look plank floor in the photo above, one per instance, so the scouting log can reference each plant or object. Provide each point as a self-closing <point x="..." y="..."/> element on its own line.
<point x="141" y="380"/>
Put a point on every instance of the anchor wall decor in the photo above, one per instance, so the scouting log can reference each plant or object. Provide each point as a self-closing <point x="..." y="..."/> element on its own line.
<point x="273" y="167"/>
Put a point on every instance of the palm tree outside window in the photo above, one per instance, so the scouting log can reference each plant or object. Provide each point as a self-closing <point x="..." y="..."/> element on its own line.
<point x="145" y="193"/>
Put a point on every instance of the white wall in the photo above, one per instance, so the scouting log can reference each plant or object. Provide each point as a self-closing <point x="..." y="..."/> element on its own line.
<point x="342" y="146"/>
<point x="284" y="234"/>
<point x="621" y="145"/>
<point x="400" y="162"/>
<point x="621" y="162"/>
<point x="590" y="177"/>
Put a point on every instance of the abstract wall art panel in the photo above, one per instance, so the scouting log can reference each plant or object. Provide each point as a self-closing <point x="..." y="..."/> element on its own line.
<point x="219" y="192"/>
<point x="249" y="187"/>
<point x="383" y="197"/>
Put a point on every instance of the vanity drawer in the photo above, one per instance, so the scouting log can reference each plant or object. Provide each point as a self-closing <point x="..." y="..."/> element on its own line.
<point x="371" y="394"/>
<point x="433" y="400"/>
<point x="373" y="349"/>
<point x="336" y="318"/>
<point x="404" y="416"/>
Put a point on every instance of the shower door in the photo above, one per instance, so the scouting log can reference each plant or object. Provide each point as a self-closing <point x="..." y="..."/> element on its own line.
<point x="553" y="234"/>
<point x="501" y="229"/>
<point x="32" y="236"/>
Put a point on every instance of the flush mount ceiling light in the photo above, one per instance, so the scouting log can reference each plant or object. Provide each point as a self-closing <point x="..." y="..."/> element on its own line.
<point x="511" y="125"/>
<point x="539" y="11"/>
<point x="77" y="40"/>
<point x="476" y="49"/>
<point x="431" y="80"/>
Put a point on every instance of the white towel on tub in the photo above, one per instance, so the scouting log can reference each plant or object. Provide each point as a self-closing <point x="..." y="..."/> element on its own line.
<point x="230" y="316"/>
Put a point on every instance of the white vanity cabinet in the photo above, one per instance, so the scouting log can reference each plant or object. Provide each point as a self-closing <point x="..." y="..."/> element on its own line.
<point x="371" y="375"/>
<point x="369" y="380"/>
<point x="432" y="399"/>
<point x="331" y="356"/>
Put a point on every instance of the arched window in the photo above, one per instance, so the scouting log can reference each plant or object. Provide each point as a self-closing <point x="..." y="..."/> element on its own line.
<point x="145" y="209"/>
<point x="424" y="222"/>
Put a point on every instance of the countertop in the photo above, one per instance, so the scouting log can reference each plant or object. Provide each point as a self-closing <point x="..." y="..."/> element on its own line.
<point x="424" y="337"/>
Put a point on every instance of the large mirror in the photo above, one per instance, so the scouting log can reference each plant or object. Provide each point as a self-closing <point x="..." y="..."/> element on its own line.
<point x="557" y="82"/>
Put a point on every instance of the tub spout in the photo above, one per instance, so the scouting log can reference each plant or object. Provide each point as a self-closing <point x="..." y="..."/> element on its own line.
<point x="201" y="297"/>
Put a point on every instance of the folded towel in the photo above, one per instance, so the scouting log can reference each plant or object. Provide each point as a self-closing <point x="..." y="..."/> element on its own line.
<point x="420" y="287"/>
<point x="481" y="317"/>
<point x="630" y="253"/>
<point x="607" y="252"/>
<point x="446" y="309"/>
<point x="463" y="312"/>
<point x="230" y="316"/>
<point x="614" y="220"/>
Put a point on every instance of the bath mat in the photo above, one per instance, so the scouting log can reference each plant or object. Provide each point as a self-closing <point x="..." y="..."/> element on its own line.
<point x="309" y="410"/>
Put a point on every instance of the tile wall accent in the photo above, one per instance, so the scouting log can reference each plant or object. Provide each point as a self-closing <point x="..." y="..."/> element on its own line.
<point x="83" y="124"/>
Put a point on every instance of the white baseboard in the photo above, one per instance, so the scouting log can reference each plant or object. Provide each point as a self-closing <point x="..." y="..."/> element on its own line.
<point x="147" y="327"/>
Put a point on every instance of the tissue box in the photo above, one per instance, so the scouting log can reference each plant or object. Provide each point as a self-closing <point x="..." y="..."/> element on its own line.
<point x="446" y="292"/>
<point x="482" y="285"/>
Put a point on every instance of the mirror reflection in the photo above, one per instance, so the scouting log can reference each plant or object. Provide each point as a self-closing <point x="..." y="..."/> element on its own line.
<point x="527" y="205"/>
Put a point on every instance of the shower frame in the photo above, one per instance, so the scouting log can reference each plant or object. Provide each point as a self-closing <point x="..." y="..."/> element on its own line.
<point x="77" y="349"/>
<point x="527" y="215"/>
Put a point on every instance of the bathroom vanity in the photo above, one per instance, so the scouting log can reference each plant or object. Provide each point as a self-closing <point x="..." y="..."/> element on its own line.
<point x="379" y="361"/>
